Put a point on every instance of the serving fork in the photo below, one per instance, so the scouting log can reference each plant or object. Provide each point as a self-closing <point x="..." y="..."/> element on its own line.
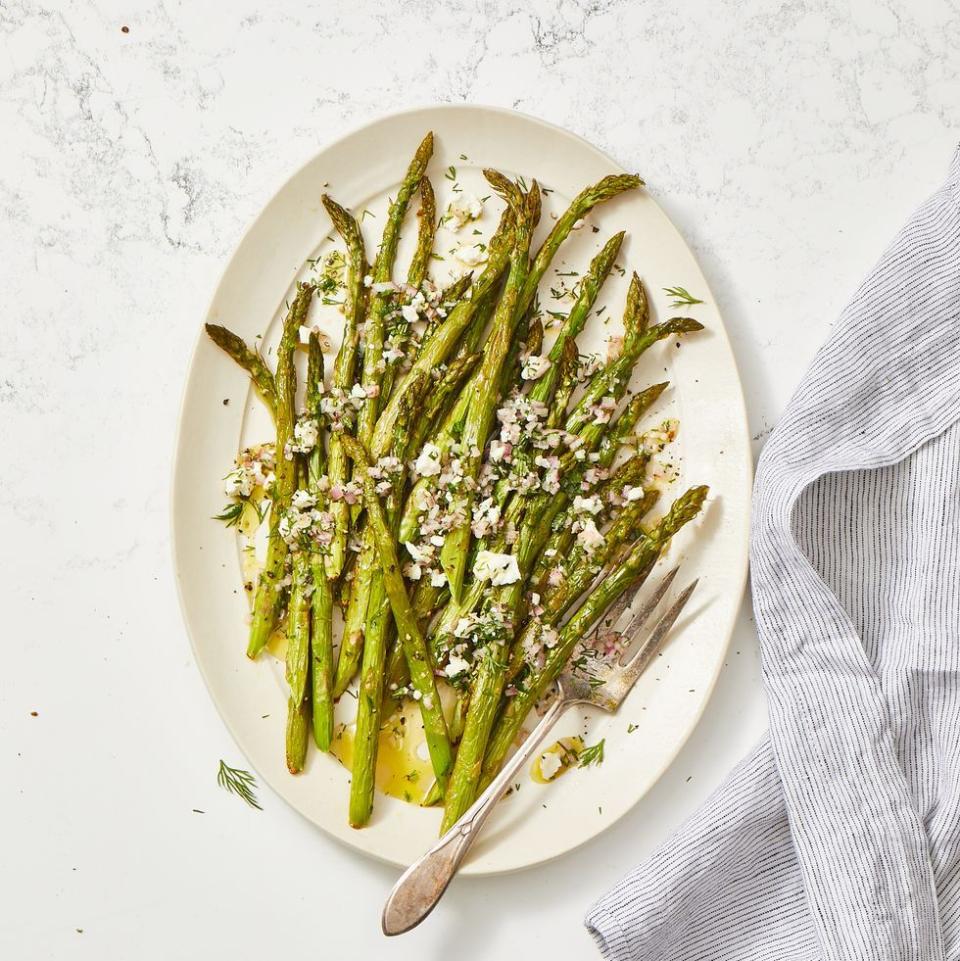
<point x="606" y="686"/>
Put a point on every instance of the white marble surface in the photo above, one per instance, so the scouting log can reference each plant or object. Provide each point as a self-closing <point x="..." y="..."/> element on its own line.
<point x="788" y="140"/>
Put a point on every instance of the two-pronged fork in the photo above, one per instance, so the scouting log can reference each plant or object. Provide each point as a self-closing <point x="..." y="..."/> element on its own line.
<point x="422" y="885"/>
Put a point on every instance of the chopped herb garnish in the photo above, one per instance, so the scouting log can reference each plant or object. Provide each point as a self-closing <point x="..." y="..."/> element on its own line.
<point x="239" y="782"/>
<point x="681" y="297"/>
<point x="451" y="173"/>
<point x="593" y="754"/>
<point x="231" y="514"/>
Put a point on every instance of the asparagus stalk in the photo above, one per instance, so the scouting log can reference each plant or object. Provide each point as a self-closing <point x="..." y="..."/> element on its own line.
<point x="376" y="641"/>
<point x="321" y="600"/>
<point x="426" y="232"/>
<point x="381" y="302"/>
<point x="606" y="189"/>
<point x="486" y="383"/>
<point x="249" y="359"/>
<point x="298" y="661"/>
<point x="567" y="381"/>
<point x="590" y="285"/>
<point x="633" y="569"/>
<point x="442" y="394"/>
<point x="297" y="733"/>
<point x="369" y="704"/>
<point x="411" y="638"/>
<point x="343" y="370"/>
<point x="417" y="272"/>
<point x="612" y="379"/>
<point x="309" y="627"/>
<point x="268" y="599"/>
<point x="351" y="644"/>
<point x="440" y="345"/>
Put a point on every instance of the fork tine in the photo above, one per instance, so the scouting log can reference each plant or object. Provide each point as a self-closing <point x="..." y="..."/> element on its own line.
<point x="641" y="616"/>
<point x="648" y="650"/>
<point x="614" y="612"/>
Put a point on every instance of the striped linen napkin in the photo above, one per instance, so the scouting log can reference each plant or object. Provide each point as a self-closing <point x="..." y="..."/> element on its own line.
<point x="839" y="837"/>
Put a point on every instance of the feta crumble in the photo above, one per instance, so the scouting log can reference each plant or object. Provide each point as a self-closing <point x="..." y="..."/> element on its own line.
<point x="456" y="666"/>
<point x="463" y="209"/>
<point x="470" y="255"/>
<point x="428" y="463"/>
<point x="534" y="367"/>
<point x="499" y="569"/>
<point x="549" y="764"/>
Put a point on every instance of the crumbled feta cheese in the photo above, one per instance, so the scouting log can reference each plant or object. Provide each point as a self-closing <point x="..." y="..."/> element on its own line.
<point x="463" y="209"/>
<point x="239" y="483"/>
<point x="549" y="764"/>
<point x="302" y="500"/>
<point x="419" y="555"/>
<point x="534" y="367"/>
<point x="499" y="451"/>
<point x="589" y="537"/>
<point x="437" y="579"/>
<point x="486" y="517"/>
<point x="306" y="433"/>
<point x="428" y="463"/>
<point x="499" y="569"/>
<point x="456" y="666"/>
<point x="409" y="313"/>
<point x="587" y="505"/>
<point x="368" y="280"/>
<point x="470" y="255"/>
<point x="633" y="493"/>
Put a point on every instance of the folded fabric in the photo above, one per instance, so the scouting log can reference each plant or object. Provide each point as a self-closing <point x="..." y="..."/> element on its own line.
<point x="839" y="837"/>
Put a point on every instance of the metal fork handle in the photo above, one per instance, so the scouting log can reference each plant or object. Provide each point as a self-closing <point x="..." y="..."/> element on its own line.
<point x="422" y="885"/>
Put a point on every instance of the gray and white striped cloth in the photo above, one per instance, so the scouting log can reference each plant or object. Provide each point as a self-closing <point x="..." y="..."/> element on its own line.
<point x="839" y="837"/>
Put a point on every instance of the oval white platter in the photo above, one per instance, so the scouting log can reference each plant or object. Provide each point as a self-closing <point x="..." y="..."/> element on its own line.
<point x="220" y="415"/>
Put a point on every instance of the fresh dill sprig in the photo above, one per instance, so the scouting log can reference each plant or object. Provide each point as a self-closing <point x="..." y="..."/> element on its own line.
<point x="593" y="754"/>
<point x="231" y="514"/>
<point x="681" y="297"/>
<point x="239" y="782"/>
